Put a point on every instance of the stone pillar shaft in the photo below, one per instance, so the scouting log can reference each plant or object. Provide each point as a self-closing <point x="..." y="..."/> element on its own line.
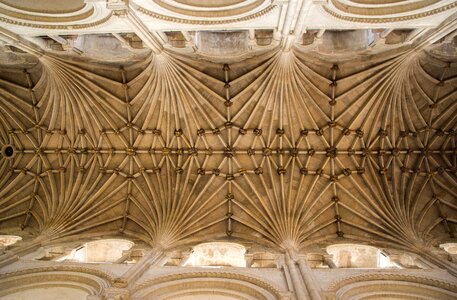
<point x="311" y="286"/>
<point x="13" y="255"/>
<point x="135" y="272"/>
<point x="299" y="288"/>
<point x="328" y="259"/>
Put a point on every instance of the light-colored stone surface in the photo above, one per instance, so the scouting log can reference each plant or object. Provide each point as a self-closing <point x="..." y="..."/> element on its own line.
<point x="49" y="293"/>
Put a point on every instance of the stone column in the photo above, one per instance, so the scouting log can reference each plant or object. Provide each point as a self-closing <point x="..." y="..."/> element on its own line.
<point x="8" y="257"/>
<point x="120" y="289"/>
<point x="249" y="257"/>
<point x="423" y="264"/>
<point x="12" y="255"/>
<point x="184" y="257"/>
<point x="280" y="264"/>
<point x="131" y="275"/>
<point x="124" y="257"/>
<point x="189" y="40"/>
<point x="437" y="260"/>
<point x="310" y="283"/>
<point x="113" y="293"/>
<point x="328" y="259"/>
<point x="122" y="8"/>
<point x="17" y="41"/>
<point x="300" y="289"/>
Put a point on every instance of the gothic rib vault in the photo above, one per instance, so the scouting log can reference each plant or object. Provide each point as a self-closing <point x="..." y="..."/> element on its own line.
<point x="286" y="149"/>
<point x="284" y="146"/>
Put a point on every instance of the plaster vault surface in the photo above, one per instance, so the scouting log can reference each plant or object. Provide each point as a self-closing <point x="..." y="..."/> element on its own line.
<point x="285" y="149"/>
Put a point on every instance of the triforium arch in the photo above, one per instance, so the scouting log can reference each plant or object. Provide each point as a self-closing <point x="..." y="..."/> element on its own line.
<point x="392" y="286"/>
<point x="207" y="284"/>
<point x="58" y="282"/>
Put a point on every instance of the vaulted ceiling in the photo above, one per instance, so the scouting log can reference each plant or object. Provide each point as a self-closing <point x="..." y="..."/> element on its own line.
<point x="285" y="149"/>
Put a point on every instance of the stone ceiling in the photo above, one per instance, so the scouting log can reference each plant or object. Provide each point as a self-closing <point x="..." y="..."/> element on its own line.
<point x="287" y="149"/>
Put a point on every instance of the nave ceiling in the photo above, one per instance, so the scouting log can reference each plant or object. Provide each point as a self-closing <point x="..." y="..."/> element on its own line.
<point x="286" y="149"/>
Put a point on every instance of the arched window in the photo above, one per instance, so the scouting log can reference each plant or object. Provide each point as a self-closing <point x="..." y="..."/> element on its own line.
<point x="7" y="240"/>
<point x="109" y="250"/>
<point x="358" y="256"/>
<point x="218" y="254"/>
<point x="450" y="248"/>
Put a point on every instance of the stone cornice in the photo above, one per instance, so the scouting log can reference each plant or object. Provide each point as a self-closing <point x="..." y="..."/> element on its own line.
<point x="61" y="268"/>
<point x="208" y="274"/>
<point x="336" y="285"/>
<point x="56" y="26"/>
<point x="355" y="19"/>
<point x="158" y="16"/>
